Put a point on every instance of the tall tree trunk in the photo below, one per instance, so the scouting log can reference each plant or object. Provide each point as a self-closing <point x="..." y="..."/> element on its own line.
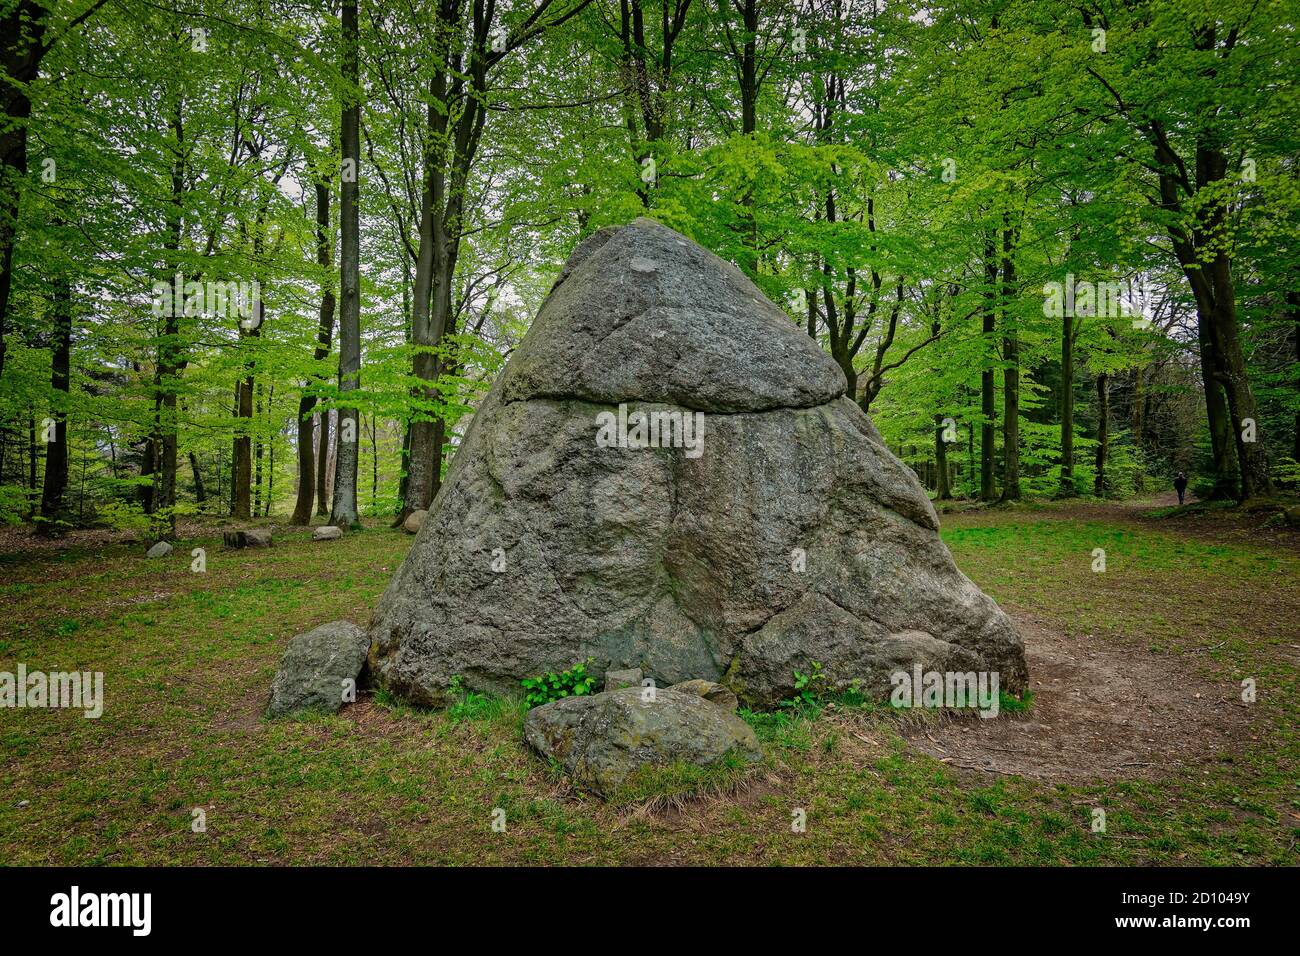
<point x="419" y="461"/>
<point x="22" y="26"/>
<point x="257" y="451"/>
<point x="1222" y="455"/>
<point x="1010" y="375"/>
<point x="1293" y="300"/>
<point x="242" y="458"/>
<point x="56" y="451"/>
<point x="1067" y="488"/>
<point x="200" y="494"/>
<point x="749" y="83"/>
<point x="344" y="513"/>
<point x="1222" y="362"/>
<point x="270" y="457"/>
<point x="32" y="497"/>
<point x="171" y="361"/>
<point x="306" y="462"/>
<point x="307" y="467"/>
<point x="404" y="476"/>
<point x="1101" y="486"/>
<point x="943" y="487"/>
<point x="988" y="403"/>
<point x="322" y="463"/>
<point x="1252" y="453"/>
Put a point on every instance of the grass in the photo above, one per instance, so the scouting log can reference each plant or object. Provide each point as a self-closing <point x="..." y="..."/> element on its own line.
<point x="188" y="659"/>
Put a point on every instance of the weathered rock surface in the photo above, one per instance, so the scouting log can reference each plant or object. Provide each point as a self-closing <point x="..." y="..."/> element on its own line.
<point x="327" y="532"/>
<point x="626" y="678"/>
<point x="414" y="521"/>
<point x="796" y="536"/>
<point x="159" y="550"/>
<point x="316" y="667"/>
<point x="714" y="693"/>
<point x="603" y="738"/>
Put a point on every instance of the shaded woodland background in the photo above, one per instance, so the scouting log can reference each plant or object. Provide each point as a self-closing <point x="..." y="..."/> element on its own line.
<point x="403" y="180"/>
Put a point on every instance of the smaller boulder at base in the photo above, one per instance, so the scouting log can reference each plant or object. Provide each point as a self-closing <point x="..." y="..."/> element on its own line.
<point x="414" y="521"/>
<point x="250" y="538"/>
<point x="327" y="532"/>
<point x="710" y="691"/>
<point x="319" y="669"/>
<point x="159" y="550"/>
<point x="600" y="740"/>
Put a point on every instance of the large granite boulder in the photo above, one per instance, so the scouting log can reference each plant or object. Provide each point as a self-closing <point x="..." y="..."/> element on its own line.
<point x="602" y="739"/>
<point x="778" y="531"/>
<point x="247" y="538"/>
<point x="320" y="670"/>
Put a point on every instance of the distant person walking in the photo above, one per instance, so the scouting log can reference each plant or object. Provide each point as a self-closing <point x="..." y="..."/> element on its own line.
<point x="1180" y="485"/>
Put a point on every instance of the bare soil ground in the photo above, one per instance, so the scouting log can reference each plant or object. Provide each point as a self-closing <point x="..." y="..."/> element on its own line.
<point x="1100" y="712"/>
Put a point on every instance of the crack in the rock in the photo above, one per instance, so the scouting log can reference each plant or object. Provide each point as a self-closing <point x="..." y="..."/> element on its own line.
<point x="613" y="404"/>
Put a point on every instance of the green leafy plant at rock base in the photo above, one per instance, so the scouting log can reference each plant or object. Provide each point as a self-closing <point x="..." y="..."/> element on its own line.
<point x="807" y="698"/>
<point x="575" y="682"/>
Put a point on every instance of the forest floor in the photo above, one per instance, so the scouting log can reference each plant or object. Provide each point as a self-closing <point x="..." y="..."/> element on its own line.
<point x="1137" y="676"/>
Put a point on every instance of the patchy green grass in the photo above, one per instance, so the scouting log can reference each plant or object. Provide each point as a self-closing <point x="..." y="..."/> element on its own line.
<point x="188" y="659"/>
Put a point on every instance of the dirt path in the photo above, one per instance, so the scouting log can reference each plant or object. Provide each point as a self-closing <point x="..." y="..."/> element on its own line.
<point x="1100" y="712"/>
<point x="1109" y="708"/>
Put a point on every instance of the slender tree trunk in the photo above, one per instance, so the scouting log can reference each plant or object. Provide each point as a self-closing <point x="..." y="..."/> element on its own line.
<point x="419" y="462"/>
<point x="170" y="356"/>
<point x="943" y="488"/>
<point x="306" y="462"/>
<point x="1067" y="489"/>
<point x="257" y="452"/>
<point x="1101" y="486"/>
<point x="1137" y="416"/>
<point x="199" y="493"/>
<point x="32" y="497"/>
<point x="344" y="512"/>
<point x="406" y="458"/>
<point x="322" y="462"/>
<point x="56" y="451"/>
<point x="308" y="470"/>
<point x="1010" y="375"/>
<point x="270" y="461"/>
<point x="749" y="83"/>
<point x="242" y="460"/>
<point x="1293" y="299"/>
<point x="988" y="403"/>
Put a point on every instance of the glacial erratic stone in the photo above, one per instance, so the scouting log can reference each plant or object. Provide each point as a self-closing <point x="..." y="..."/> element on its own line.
<point x="317" y="667"/>
<point x="414" y="521"/>
<point x="602" y="739"/>
<point x="327" y="532"/>
<point x="247" y="538"/>
<point x="159" y="550"/>
<point x="795" y="537"/>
